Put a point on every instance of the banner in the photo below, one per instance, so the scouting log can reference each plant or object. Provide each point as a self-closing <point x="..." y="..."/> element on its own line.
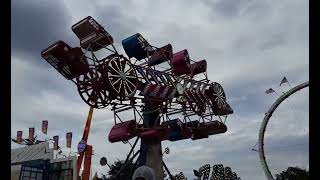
<point x="44" y="126"/>
<point x="31" y="134"/>
<point x="55" y="142"/>
<point x="69" y="139"/>
<point x="19" y="137"/>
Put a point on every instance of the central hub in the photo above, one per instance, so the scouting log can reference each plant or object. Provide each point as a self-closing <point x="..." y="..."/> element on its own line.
<point x="122" y="76"/>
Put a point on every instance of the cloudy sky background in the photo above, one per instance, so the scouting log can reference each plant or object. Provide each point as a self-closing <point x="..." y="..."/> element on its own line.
<point x="249" y="46"/>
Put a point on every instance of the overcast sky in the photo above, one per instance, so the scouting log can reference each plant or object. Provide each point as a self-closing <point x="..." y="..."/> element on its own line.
<point x="249" y="46"/>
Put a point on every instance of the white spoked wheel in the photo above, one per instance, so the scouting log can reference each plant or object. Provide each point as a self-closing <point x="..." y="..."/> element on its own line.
<point x="121" y="77"/>
<point x="219" y="95"/>
<point x="216" y="95"/>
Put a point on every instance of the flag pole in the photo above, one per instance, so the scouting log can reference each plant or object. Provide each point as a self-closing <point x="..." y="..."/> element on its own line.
<point x="276" y="93"/>
<point x="290" y="85"/>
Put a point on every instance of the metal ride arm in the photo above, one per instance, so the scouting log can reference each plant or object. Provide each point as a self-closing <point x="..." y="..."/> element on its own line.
<point x="265" y="123"/>
<point x="117" y="176"/>
<point x="128" y="156"/>
<point x="165" y="166"/>
<point x="114" y="80"/>
<point x="87" y="163"/>
<point x="85" y="138"/>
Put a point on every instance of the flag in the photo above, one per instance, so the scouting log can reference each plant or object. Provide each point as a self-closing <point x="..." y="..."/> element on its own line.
<point x="270" y="90"/>
<point x="31" y="134"/>
<point x="284" y="80"/>
<point x="55" y="142"/>
<point x="44" y="126"/>
<point x="19" y="137"/>
<point x="69" y="139"/>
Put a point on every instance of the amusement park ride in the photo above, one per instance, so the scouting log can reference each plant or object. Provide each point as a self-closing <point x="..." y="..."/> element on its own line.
<point x="135" y="84"/>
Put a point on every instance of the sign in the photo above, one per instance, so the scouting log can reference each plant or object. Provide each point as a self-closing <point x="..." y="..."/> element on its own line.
<point x="69" y="139"/>
<point x="19" y="137"/>
<point x="44" y="126"/>
<point x="82" y="146"/>
<point x="55" y="142"/>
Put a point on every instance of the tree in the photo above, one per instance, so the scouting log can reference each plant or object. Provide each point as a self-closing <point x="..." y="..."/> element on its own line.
<point x="293" y="173"/>
<point x="218" y="172"/>
<point x="179" y="176"/>
<point x="126" y="173"/>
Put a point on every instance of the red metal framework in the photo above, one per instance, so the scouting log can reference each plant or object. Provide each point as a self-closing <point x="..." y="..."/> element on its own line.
<point x="172" y="82"/>
<point x="86" y="152"/>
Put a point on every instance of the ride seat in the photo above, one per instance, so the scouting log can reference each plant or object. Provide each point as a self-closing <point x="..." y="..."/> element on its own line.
<point x="70" y="62"/>
<point x="92" y="34"/>
<point x="180" y="63"/>
<point x="136" y="46"/>
<point x="198" y="67"/>
<point x="152" y="135"/>
<point x="195" y="130"/>
<point x="214" y="127"/>
<point x="161" y="55"/>
<point x="177" y="132"/>
<point x="123" y="131"/>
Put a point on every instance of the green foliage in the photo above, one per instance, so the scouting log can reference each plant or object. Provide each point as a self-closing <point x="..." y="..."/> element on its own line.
<point x="218" y="172"/>
<point x="293" y="173"/>
<point x="126" y="173"/>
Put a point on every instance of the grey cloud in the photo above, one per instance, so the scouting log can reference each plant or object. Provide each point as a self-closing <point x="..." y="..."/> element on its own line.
<point x="263" y="41"/>
<point x="117" y="23"/>
<point x="252" y="93"/>
<point x="227" y="8"/>
<point x="199" y="45"/>
<point x="258" y="10"/>
<point x="36" y="25"/>
<point x="274" y="41"/>
<point x="31" y="79"/>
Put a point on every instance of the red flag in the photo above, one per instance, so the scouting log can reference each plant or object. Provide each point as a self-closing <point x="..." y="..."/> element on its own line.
<point x="44" y="126"/>
<point x="55" y="142"/>
<point x="69" y="139"/>
<point x="31" y="134"/>
<point x="19" y="137"/>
